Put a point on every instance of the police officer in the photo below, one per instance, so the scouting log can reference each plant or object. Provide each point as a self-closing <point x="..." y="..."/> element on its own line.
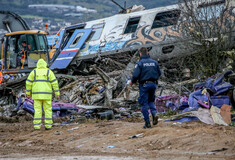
<point x="40" y="84"/>
<point x="147" y="72"/>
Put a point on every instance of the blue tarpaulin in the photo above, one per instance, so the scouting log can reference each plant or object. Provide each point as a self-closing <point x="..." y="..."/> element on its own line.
<point x="184" y="119"/>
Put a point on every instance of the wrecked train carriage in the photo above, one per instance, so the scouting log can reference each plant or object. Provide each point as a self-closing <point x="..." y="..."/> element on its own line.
<point x="118" y="37"/>
<point x="114" y="38"/>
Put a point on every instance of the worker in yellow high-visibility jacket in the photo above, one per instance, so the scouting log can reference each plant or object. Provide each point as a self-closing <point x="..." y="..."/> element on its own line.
<point x="40" y="84"/>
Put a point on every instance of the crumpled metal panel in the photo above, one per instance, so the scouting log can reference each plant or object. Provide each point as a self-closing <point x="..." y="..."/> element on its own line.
<point x="68" y="53"/>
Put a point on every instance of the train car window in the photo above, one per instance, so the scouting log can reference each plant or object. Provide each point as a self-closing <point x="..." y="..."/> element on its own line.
<point x="209" y="11"/>
<point x="97" y="30"/>
<point x="165" y="19"/>
<point x="67" y="35"/>
<point x="168" y="49"/>
<point x="132" y="25"/>
<point x="76" y="40"/>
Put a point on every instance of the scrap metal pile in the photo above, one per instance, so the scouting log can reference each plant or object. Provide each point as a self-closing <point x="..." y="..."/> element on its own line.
<point x="106" y="96"/>
<point x="76" y="92"/>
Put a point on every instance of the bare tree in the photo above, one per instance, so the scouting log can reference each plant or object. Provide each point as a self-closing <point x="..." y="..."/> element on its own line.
<point x="209" y="25"/>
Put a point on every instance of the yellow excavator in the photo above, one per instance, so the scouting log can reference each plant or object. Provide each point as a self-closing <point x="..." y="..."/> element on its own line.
<point x="21" y="50"/>
<point x="20" y="47"/>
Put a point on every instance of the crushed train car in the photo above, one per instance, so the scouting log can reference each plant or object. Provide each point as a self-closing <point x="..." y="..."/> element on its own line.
<point x="118" y="37"/>
<point x="108" y="41"/>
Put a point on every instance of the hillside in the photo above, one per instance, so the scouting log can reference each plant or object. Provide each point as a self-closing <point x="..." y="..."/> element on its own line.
<point x="53" y="15"/>
<point x="103" y="7"/>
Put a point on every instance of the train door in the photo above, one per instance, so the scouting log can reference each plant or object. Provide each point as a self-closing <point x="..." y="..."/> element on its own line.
<point x="70" y="50"/>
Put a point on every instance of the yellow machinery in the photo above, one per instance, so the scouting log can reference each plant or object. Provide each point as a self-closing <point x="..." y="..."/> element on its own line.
<point x="21" y="51"/>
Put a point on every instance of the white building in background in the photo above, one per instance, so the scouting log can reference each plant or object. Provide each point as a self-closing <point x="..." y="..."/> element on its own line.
<point x="61" y="8"/>
<point x="82" y="9"/>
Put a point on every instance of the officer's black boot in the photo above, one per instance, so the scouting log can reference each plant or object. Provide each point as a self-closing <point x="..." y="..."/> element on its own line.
<point x="147" y="124"/>
<point x="155" y="119"/>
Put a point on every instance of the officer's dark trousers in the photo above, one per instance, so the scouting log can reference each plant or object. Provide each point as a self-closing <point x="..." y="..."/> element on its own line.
<point x="146" y="99"/>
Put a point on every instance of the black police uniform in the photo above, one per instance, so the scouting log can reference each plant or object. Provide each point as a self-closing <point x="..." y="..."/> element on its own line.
<point x="147" y="72"/>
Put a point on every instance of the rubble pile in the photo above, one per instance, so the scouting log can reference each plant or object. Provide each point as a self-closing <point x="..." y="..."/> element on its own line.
<point x="10" y="92"/>
<point x="210" y="102"/>
<point x="84" y="92"/>
<point x="106" y="96"/>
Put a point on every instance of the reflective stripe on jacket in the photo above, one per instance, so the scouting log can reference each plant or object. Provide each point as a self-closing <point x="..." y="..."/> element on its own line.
<point x="41" y="82"/>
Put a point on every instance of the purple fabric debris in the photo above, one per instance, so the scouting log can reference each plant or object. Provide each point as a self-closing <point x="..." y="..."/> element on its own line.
<point x="164" y="103"/>
<point x="59" y="109"/>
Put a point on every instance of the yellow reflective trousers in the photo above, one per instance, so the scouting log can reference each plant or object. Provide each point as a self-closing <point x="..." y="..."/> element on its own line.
<point x="38" y="113"/>
<point x="41" y="83"/>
